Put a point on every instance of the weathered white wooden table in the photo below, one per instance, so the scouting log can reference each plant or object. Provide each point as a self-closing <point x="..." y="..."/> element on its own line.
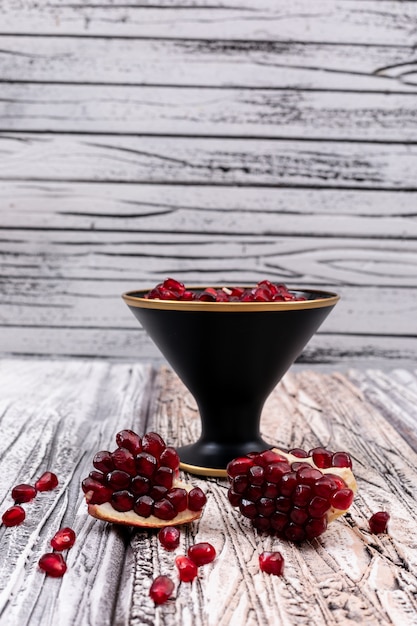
<point x="56" y="414"/>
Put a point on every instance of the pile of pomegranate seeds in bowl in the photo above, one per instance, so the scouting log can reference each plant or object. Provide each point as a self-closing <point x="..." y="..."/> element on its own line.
<point x="137" y="484"/>
<point x="264" y="291"/>
<point x="292" y="495"/>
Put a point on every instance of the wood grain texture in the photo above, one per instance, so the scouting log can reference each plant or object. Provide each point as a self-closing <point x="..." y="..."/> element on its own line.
<point x="55" y="414"/>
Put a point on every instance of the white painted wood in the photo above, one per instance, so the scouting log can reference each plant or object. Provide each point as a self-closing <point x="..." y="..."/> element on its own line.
<point x="56" y="414"/>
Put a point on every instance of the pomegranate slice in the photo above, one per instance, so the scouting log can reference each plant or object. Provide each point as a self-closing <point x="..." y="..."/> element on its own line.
<point x="139" y="485"/>
<point x="288" y="494"/>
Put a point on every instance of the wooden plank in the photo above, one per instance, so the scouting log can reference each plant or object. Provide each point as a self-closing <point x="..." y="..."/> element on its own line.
<point x="210" y="112"/>
<point x="337" y="20"/>
<point x="210" y="210"/>
<point x="59" y="426"/>
<point x="205" y="161"/>
<point x="217" y="63"/>
<point x="325" y="348"/>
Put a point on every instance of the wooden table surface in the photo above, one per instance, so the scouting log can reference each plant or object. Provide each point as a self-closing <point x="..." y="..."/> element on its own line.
<point x="55" y="414"/>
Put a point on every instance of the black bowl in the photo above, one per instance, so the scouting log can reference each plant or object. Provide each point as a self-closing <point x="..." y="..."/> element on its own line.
<point x="230" y="355"/>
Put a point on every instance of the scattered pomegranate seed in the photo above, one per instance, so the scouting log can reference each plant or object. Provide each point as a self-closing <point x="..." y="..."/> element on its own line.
<point x="169" y="537"/>
<point x="187" y="569"/>
<point x="161" y="589"/>
<point x="202" y="553"/>
<point x="272" y="563"/>
<point x="140" y="476"/>
<point x="53" y="564"/>
<point x="13" y="516"/>
<point x="46" y="482"/>
<point x="264" y="291"/>
<point x="378" y="522"/>
<point x="64" y="539"/>
<point x="23" y="493"/>
<point x="290" y="496"/>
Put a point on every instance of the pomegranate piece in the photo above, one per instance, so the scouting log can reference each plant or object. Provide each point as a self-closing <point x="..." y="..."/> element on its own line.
<point x="289" y="494"/>
<point x="23" y="493"/>
<point x="13" y="516"/>
<point x="202" y="553"/>
<point x="63" y="539"/>
<point x="263" y="291"/>
<point x="272" y="563"/>
<point x="137" y="484"/>
<point x="169" y="537"/>
<point x="378" y="522"/>
<point x="187" y="569"/>
<point x="53" y="564"/>
<point x="46" y="482"/>
<point x="161" y="589"/>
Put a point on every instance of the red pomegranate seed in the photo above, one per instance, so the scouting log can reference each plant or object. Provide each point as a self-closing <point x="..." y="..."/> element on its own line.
<point x="98" y="476"/>
<point x="196" y="499"/>
<point x="164" y="510"/>
<point x="341" y="459"/>
<point x="299" y="452"/>
<point x="46" y="482"/>
<point x="129" y="440"/>
<point x="169" y="537"/>
<point x="146" y="464"/>
<point x="164" y="476"/>
<point x="143" y="506"/>
<point x="124" y="460"/>
<point x="321" y="457"/>
<point x="187" y="569"/>
<point x="103" y="461"/>
<point x="378" y="522"/>
<point x="342" y="499"/>
<point x="118" y="479"/>
<point x="96" y="493"/>
<point x="140" y="486"/>
<point x="23" y="493"/>
<point x="202" y="553"/>
<point x="272" y="563"/>
<point x="315" y="527"/>
<point x="239" y="465"/>
<point x="169" y="457"/>
<point x="64" y="539"/>
<point x="152" y="443"/>
<point x="179" y="498"/>
<point x="53" y="564"/>
<point x="122" y="500"/>
<point x="13" y="516"/>
<point x="157" y="492"/>
<point x="161" y="589"/>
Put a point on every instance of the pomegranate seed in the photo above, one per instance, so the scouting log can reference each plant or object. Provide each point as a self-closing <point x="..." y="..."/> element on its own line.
<point x="46" y="482"/>
<point x="152" y="443"/>
<point x="169" y="537"/>
<point x="140" y="485"/>
<point x="122" y="500"/>
<point x="318" y="507"/>
<point x="299" y="452"/>
<point x="23" y="493"/>
<point x="97" y="476"/>
<point x="321" y="457"/>
<point x="164" y="510"/>
<point x="325" y="486"/>
<point x="239" y="466"/>
<point x="275" y="471"/>
<point x="256" y="475"/>
<point x="196" y="499"/>
<point x="341" y="459"/>
<point x="187" y="569"/>
<point x="129" y="440"/>
<point x="143" y="506"/>
<point x="272" y="563"/>
<point x="161" y="589"/>
<point x="157" y="492"/>
<point x="315" y="527"/>
<point x="124" y="460"/>
<point x="179" y="498"/>
<point x="64" y="539"/>
<point x="164" y="476"/>
<point x="103" y="461"/>
<point x="169" y="457"/>
<point x="342" y="499"/>
<point x="13" y="516"/>
<point x="378" y="522"/>
<point x="96" y="493"/>
<point x="53" y="564"/>
<point x="118" y="479"/>
<point x="202" y="553"/>
<point x="146" y="464"/>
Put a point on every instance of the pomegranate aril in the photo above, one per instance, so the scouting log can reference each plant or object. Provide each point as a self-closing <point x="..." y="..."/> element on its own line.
<point x="272" y="563"/>
<point x="279" y="520"/>
<point x="265" y="507"/>
<point x="98" y="476"/>
<point x="164" y="510"/>
<point x="378" y="522"/>
<point x="341" y="459"/>
<point x="179" y="498"/>
<point x="283" y="504"/>
<point x="64" y="539"/>
<point x="270" y="490"/>
<point x="254" y="492"/>
<point x="13" y="516"/>
<point x="157" y="492"/>
<point x="321" y="457"/>
<point x="325" y="486"/>
<point x="275" y="471"/>
<point x="233" y="497"/>
<point x="266" y="457"/>
<point x="202" y="553"/>
<point x="146" y="464"/>
<point x="129" y="440"/>
<point x="103" y="461"/>
<point x="143" y="506"/>
<point x="299" y="452"/>
<point x="302" y="495"/>
<point x="161" y="589"/>
<point x="196" y="499"/>
<point x="240" y="483"/>
<point x="169" y="537"/>
<point x="240" y="465"/>
<point x="308" y="475"/>
<point x="298" y="516"/>
<point x="261" y="523"/>
<point x="318" y="507"/>
<point x="169" y="457"/>
<point x="118" y="479"/>
<point x="164" y="476"/>
<point x="96" y="493"/>
<point x="23" y="493"/>
<point x="288" y="483"/>
<point x="187" y="569"/>
<point x="248" y="508"/>
<point x="140" y="485"/>
<point x="294" y="532"/>
<point x="315" y="527"/>
<point x="53" y="564"/>
<point x="256" y="475"/>
<point x="153" y="444"/>
<point x="46" y="482"/>
<point x="122" y="500"/>
<point x="342" y="499"/>
<point x="124" y="460"/>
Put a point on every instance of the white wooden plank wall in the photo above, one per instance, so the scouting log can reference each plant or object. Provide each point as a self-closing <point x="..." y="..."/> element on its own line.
<point x="215" y="142"/>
